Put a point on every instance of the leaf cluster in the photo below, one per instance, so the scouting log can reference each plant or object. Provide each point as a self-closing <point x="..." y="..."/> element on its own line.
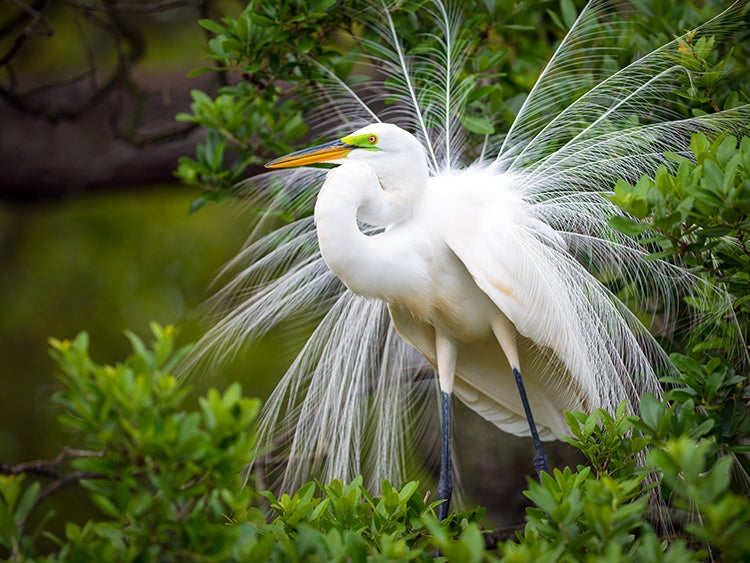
<point x="346" y="523"/>
<point x="168" y="482"/>
<point x="657" y="488"/>
<point x="696" y="211"/>
<point x="164" y="480"/>
<point x="269" y="47"/>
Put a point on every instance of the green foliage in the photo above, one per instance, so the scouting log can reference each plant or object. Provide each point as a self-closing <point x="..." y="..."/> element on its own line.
<point x="576" y="513"/>
<point x="706" y="401"/>
<point x="699" y="483"/>
<point x="168" y="482"/>
<point x="259" y="116"/>
<point x="697" y="212"/>
<point x="698" y="208"/>
<point x="164" y="480"/>
<point x="604" y="510"/>
<point x="275" y="52"/>
<point x="608" y="441"/>
<point x="347" y="523"/>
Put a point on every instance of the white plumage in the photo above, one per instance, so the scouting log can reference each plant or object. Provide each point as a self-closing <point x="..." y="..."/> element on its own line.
<point x="470" y="264"/>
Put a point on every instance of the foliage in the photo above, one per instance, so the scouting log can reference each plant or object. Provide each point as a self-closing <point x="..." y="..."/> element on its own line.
<point x="163" y="479"/>
<point x="585" y="515"/>
<point x="697" y="212"/>
<point x="346" y="523"/>
<point x="168" y="483"/>
<point x="274" y="53"/>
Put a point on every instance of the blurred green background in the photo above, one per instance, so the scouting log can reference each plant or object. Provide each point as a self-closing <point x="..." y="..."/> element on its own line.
<point x="102" y="264"/>
<point x="80" y="249"/>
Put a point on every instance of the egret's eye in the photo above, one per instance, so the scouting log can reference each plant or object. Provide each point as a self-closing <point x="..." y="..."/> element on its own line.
<point x="372" y="139"/>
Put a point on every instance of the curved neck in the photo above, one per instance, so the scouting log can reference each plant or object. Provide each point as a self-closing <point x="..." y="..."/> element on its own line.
<point x="360" y="261"/>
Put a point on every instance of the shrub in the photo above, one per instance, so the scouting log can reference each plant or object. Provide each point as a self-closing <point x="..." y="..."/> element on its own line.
<point x="168" y="483"/>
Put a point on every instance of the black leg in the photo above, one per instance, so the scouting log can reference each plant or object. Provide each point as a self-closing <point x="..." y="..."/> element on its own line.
<point x="540" y="458"/>
<point x="445" y="485"/>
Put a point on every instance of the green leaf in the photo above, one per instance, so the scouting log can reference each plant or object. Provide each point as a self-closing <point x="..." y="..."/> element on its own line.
<point x="192" y="74"/>
<point x="477" y="124"/>
<point x="212" y="26"/>
<point x="261" y="20"/>
<point x="651" y="410"/>
<point x="713" y="175"/>
<point x="627" y="226"/>
<point x="27" y="500"/>
<point x="106" y="506"/>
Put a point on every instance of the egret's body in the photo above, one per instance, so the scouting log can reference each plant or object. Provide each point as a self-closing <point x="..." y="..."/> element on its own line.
<point x="497" y="273"/>
<point x="451" y="273"/>
<point x="452" y="268"/>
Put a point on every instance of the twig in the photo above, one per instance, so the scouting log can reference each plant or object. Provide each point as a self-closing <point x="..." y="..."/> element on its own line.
<point x="46" y="467"/>
<point x="139" y="9"/>
<point x="50" y="468"/>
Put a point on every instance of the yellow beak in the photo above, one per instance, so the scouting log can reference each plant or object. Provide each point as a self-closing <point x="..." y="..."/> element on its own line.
<point x="321" y="153"/>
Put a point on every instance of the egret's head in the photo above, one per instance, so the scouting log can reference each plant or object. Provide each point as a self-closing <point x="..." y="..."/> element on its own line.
<point x="383" y="146"/>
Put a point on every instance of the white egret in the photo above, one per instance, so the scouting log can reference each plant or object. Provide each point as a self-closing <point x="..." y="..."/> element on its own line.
<point x="458" y="270"/>
<point x="491" y="271"/>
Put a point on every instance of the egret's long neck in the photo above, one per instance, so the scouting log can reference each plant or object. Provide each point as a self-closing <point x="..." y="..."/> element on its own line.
<point x="362" y="262"/>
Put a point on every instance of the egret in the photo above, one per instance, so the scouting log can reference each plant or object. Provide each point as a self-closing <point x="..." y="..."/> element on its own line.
<point x="495" y="272"/>
<point x="457" y="269"/>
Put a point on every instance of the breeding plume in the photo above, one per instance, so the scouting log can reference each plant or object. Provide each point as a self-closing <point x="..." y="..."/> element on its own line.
<point x="494" y="271"/>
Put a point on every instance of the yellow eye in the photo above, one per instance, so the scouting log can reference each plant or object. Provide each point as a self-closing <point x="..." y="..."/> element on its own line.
<point x="372" y="139"/>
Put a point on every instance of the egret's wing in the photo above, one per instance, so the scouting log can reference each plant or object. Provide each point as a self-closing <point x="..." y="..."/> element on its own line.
<point x="591" y="351"/>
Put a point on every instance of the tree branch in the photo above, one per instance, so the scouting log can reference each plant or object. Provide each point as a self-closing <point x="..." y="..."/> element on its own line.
<point x="46" y="467"/>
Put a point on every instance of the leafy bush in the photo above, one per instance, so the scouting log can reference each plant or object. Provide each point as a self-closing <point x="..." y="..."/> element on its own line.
<point x="168" y="483"/>
<point x="164" y="479"/>
<point x="697" y="214"/>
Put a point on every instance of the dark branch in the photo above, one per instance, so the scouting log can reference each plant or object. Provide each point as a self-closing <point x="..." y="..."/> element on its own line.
<point x="46" y="467"/>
